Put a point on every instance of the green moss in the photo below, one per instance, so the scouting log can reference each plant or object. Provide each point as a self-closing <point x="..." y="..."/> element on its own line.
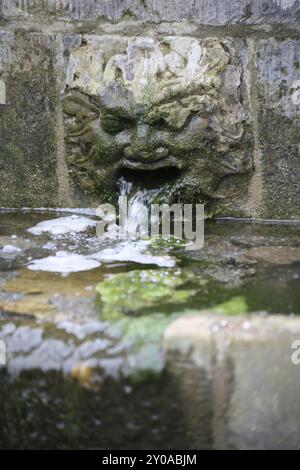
<point x="125" y="300"/>
<point x="170" y="243"/>
<point x="131" y="293"/>
<point x="104" y="148"/>
<point x="128" y="14"/>
<point x="234" y="306"/>
<point x="145" y="334"/>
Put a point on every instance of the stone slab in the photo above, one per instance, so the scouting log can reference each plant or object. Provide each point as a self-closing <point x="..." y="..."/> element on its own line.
<point x="251" y="373"/>
<point x="278" y="115"/>
<point x="28" y="121"/>
<point x="207" y="12"/>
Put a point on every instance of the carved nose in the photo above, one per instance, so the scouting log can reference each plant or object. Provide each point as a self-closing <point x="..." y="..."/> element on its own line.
<point x="128" y="152"/>
<point x="146" y="145"/>
<point x="140" y="153"/>
<point x="162" y="152"/>
<point x="143" y="131"/>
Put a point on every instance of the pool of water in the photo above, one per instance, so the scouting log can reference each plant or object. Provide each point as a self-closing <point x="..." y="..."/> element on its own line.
<point x="84" y="317"/>
<point x="46" y="257"/>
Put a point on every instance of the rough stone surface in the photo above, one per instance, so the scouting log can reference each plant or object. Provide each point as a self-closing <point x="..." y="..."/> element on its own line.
<point x="227" y="383"/>
<point x="243" y="369"/>
<point x="28" y="120"/>
<point x="146" y="104"/>
<point x="85" y="388"/>
<point x="278" y="102"/>
<point x="211" y="12"/>
<point x="263" y="39"/>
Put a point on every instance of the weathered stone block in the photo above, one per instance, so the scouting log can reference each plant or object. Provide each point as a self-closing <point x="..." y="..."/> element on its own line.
<point x="93" y="389"/>
<point x="32" y="141"/>
<point x="210" y="12"/>
<point x="263" y="411"/>
<point x="28" y="121"/>
<point x="277" y="100"/>
<point x="146" y="105"/>
<point x="245" y="366"/>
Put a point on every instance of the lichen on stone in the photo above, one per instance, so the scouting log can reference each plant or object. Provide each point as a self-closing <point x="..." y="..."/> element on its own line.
<point x="235" y="306"/>
<point x="144" y="103"/>
<point x="137" y="292"/>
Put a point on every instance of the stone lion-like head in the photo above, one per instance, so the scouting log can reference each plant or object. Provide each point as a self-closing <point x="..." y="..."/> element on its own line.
<point x="155" y="109"/>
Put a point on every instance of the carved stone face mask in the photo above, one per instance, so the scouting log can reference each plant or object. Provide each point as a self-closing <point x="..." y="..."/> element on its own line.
<point x="144" y="105"/>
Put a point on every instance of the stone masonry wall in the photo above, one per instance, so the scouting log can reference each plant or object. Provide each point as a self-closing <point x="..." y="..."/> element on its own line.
<point x="36" y="37"/>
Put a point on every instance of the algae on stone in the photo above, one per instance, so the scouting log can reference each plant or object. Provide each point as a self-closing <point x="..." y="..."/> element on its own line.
<point x="234" y="306"/>
<point x="144" y="336"/>
<point x="145" y="103"/>
<point x="136" y="291"/>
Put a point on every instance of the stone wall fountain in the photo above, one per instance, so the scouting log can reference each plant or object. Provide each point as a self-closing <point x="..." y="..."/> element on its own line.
<point x="146" y="104"/>
<point x="210" y="90"/>
<point x="143" y="344"/>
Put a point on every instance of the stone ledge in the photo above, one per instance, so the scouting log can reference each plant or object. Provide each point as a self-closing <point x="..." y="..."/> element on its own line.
<point x="228" y="383"/>
<point x="208" y="12"/>
<point x="246" y="365"/>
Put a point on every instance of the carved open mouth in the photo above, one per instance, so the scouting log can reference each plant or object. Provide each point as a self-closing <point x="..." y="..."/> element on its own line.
<point x="144" y="178"/>
<point x="165" y="162"/>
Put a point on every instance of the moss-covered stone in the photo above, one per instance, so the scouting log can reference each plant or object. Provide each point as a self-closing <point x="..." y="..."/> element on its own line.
<point x="183" y="112"/>
<point x="28" y="121"/>
<point x="134" y="292"/>
<point x="234" y="306"/>
<point x="144" y="336"/>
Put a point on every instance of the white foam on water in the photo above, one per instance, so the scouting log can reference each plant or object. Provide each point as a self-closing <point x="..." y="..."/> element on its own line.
<point x="49" y="246"/>
<point x="134" y="252"/>
<point x="64" y="262"/>
<point x="63" y="225"/>
<point x="9" y="249"/>
<point x="133" y="249"/>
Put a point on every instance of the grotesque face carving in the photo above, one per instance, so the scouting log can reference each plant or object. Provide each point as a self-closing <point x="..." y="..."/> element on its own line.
<point x="144" y="105"/>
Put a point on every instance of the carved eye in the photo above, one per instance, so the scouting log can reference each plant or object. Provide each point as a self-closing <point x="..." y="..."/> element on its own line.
<point x="168" y="123"/>
<point x="160" y="124"/>
<point x="185" y="121"/>
<point x="114" y="123"/>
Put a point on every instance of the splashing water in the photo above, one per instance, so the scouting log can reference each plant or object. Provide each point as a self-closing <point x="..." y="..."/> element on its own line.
<point x="135" y="248"/>
<point x="136" y="226"/>
<point x="139" y="202"/>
